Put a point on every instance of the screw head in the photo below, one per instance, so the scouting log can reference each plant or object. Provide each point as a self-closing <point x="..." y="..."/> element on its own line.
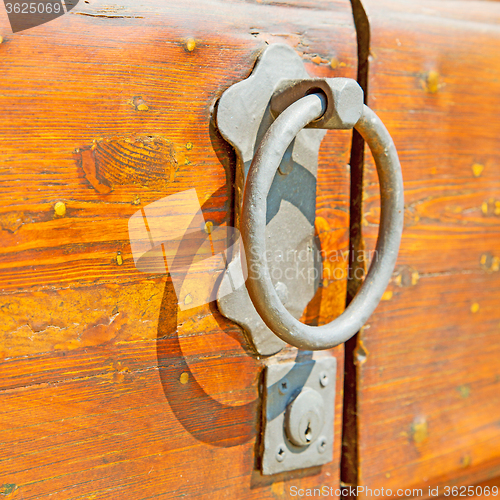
<point x="283" y="386"/>
<point x="323" y="379"/>
<point x="322" y="442"/>
<point x="280" y="452"/>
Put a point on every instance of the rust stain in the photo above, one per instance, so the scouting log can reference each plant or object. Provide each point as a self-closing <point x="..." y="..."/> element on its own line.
<point x="143" y="160"/>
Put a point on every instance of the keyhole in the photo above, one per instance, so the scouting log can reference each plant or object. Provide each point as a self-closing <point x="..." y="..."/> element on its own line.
<point x="308" y="432"/>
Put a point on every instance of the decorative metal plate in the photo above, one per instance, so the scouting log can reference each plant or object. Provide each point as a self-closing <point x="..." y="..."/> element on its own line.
<point x="284" y="382"/>
<point x="243" y="117"/>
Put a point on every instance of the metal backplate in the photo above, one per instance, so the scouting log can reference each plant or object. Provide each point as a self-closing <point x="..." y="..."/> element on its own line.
<point x="284" y="382"/>
<point x="243" y="117"/>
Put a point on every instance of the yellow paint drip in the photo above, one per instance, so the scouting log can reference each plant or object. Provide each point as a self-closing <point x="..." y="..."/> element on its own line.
<point x="414" y="277"/>
<point x="495" y="265"/>
<point x="119" y="258"/>
<point x="419" y="431"/>
<point x="387" y="295"/>
<point x="184" y="378"/>
<point x="477" y="169"/>
<point x="189" y="145"/>
<point x="209" y="227"/>
<point x="432" y="82"/>
<point x="334" y="63"/>
<point x="142" y="107"/>
<point x="190" y="44"/>
<point x="60" y="209"/>
<point x="474" y="307"/>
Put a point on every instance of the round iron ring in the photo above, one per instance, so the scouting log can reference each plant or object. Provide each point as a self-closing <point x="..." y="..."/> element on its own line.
<point x="253" y="224"/>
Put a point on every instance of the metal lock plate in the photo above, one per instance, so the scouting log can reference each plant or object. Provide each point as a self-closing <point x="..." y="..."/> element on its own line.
<point x="243" y="117"/>
<point x="298" y="412"/>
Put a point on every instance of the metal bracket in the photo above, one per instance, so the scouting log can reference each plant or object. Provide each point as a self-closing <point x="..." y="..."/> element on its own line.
<point x="243" y="117"/>
<point x="299" y="400"/>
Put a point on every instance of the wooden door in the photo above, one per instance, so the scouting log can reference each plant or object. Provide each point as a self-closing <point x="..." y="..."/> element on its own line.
<point x="426" y="367"/>
<point x="107" y="389"/>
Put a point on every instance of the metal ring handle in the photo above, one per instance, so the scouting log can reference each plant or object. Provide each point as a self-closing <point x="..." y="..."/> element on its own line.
<point x="253" y="223"/>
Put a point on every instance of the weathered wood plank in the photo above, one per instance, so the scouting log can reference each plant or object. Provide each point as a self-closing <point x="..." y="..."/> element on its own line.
<point x="427" y="362"/>
<point x="106" y="389"/>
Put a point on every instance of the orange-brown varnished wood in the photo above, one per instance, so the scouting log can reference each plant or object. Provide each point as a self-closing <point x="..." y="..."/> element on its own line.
<point x="107" y="390"/>
<point x="428" y="359"/>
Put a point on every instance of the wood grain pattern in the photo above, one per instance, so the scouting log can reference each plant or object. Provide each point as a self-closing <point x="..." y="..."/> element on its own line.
<point x="106" y="389"/>
<point x="427" y="362"/>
